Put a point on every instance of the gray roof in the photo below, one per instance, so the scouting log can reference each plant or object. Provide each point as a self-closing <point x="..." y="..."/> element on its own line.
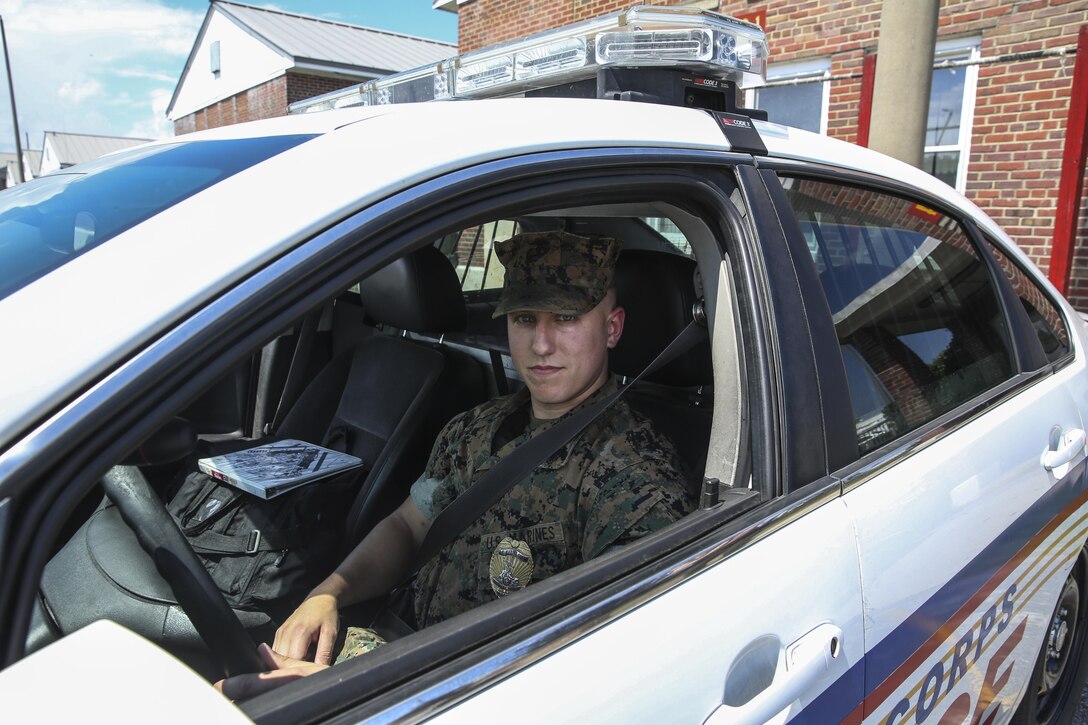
<point x="326" y="42"/>
<point x="7" y="159"/>
<point x="75" y="148"/>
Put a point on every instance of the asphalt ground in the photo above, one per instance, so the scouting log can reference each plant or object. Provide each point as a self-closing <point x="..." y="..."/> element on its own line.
<point x="1080" y="717"/>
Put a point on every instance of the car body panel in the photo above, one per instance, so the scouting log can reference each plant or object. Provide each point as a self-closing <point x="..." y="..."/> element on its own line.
<point x="643" y="666"/>
<point x="976" y="496"/>
<point x="140" y="678"/>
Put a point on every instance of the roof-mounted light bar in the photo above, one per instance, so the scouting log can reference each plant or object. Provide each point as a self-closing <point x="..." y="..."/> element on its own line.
<point x="684" y="38"/>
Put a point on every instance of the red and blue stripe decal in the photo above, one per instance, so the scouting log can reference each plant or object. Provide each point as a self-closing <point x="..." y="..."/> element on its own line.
<point x="979" y="597"/>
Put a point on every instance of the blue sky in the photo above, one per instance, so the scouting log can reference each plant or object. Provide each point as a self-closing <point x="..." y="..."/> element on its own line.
<point x="110" y="66"/>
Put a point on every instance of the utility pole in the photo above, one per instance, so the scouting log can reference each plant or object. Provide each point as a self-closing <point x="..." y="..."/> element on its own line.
<point x="904" y="74"/>
<point x="14" y="115"/>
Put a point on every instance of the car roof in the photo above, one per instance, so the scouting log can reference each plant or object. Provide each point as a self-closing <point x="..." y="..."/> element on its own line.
<point x="80" y="320"/>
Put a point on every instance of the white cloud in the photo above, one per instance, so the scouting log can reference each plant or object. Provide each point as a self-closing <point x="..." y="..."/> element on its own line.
<point x="77" y="92"/>
<point x="155" y="124"/>
<point x="94" y="66"/>
<point x="146" y="74"/>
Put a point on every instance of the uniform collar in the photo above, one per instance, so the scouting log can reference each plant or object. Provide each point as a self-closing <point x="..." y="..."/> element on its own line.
<point x="560" y="457"/>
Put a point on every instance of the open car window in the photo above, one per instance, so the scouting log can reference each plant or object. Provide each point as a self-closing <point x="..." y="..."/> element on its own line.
<point x="389" y="354"/>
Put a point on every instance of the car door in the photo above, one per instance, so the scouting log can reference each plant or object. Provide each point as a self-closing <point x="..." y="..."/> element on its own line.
<point x="754" y="619"/>
<point x="967" y="492"/>
<point x="749" y="629"/>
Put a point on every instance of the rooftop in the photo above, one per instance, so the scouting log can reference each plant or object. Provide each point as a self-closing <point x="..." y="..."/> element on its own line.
<point x="307" y="38"/>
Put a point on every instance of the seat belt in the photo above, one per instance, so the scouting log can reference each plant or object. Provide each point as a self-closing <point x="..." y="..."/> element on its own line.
<point x="296" y="373"/>
<point x="491" y="486"/>
<point x="499" y="371"/>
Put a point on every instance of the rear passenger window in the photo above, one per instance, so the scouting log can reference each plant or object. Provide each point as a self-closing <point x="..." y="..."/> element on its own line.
<point x="1043" y="313"/>
<point x="914" y="307"/>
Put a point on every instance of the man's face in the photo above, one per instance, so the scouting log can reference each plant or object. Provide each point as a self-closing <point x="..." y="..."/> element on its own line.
<point x="563" y="359"/>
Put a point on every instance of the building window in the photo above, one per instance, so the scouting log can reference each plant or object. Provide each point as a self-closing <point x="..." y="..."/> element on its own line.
<point x="951" y="110"/>
<point x="795" y="95"/>
<point x="214" y="58"/>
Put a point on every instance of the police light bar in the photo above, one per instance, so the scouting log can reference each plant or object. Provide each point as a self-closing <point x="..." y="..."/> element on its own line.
<point x="682" y="38"/>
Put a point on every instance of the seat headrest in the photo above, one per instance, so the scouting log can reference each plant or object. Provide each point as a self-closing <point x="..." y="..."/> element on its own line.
<point x="419" y="292"/>
<point x="657" y="291"/>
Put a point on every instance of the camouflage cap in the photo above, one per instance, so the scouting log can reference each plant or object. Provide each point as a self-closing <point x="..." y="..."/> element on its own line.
<point x="555" y="272"/>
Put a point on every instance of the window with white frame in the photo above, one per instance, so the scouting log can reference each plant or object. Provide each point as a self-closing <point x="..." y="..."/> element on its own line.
<point x="951" y="110"/>
<point x="796" y="94"/>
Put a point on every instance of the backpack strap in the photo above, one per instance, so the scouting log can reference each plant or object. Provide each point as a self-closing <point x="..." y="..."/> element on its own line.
<point x="248" y="543"/>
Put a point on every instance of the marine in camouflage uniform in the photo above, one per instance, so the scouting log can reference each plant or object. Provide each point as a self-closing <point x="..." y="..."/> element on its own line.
<point x="616" y="481"/>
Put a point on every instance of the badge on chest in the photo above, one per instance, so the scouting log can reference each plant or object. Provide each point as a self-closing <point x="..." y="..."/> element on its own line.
<point x="511" y="566"/>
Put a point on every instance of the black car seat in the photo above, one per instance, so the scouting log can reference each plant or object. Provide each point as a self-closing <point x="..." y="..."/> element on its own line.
<point x="657" y="291"/>
<point x="384" y="400"/>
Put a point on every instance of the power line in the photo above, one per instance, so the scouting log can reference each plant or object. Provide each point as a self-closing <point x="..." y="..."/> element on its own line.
<point x="1069" y="50"/>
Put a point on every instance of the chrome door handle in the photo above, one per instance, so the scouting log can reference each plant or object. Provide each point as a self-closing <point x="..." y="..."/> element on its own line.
<point x="1067" y="448"/>
<point x="805" y="662"/>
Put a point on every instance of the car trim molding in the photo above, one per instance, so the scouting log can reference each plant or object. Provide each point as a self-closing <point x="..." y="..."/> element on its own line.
<point x="883" y="458"/>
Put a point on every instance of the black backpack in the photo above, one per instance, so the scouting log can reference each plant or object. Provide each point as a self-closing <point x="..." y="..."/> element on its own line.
<point x="259" y="552"/>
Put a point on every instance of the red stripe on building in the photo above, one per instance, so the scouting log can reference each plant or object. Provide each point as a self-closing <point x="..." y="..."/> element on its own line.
<point x="865" y="107"/>
<point x="1067" y="215"/>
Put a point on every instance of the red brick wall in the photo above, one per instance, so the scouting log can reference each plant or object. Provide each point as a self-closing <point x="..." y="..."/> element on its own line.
<point x="267" y="100"/>
<point x="301" y="86"/>
<point x="1021" y="107"/>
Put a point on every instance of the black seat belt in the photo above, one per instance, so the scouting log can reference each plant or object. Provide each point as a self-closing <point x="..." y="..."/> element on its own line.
<point x="499" y="371"/>
<point x="292" y="386"/>
<point x="491" y="486"/>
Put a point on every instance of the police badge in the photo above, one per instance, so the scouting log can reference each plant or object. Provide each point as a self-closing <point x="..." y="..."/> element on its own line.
<point x="511" y="566"/>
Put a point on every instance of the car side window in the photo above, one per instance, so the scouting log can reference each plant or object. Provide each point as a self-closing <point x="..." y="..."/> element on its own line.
<point x="914" y="307"/>
<point x="1044" y="314"/>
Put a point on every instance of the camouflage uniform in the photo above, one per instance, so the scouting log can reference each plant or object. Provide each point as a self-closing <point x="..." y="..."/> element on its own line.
<point x="358" y="641"/>
<point x="615" y="482"/>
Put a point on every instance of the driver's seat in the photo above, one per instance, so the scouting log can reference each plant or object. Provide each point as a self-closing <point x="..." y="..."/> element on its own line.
<point x="389" y="396"/>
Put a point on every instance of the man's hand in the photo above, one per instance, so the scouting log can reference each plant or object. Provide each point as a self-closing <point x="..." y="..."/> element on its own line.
<point x="315" y="623"/>
<point x="280" y="671"/>
<point x="377" y="564"/>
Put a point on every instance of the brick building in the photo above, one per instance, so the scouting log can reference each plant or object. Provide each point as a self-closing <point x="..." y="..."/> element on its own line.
<point x="1002" y="89"/>
<point x="250" y="63"/>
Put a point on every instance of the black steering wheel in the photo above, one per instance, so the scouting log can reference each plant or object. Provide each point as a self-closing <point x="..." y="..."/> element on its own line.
<point x="143" y="511"/>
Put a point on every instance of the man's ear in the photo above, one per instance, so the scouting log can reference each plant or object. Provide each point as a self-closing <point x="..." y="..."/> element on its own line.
<point x="615" y="325"/>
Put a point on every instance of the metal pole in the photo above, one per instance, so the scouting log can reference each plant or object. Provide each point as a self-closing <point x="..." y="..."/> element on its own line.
<point x="904" y="72"/>
<point x="14" y="113"/>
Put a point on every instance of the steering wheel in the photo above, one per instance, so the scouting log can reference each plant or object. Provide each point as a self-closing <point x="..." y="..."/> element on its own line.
<point x="143" y="512"/>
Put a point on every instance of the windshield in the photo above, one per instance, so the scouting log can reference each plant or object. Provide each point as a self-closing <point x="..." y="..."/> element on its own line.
<point x="48" y="221"/>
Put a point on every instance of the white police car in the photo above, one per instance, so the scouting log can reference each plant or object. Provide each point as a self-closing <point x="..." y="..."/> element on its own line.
<point x="886" y="427"/>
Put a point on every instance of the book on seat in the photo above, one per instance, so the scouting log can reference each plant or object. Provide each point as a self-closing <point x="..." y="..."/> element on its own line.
<point x="274" y="468"/>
